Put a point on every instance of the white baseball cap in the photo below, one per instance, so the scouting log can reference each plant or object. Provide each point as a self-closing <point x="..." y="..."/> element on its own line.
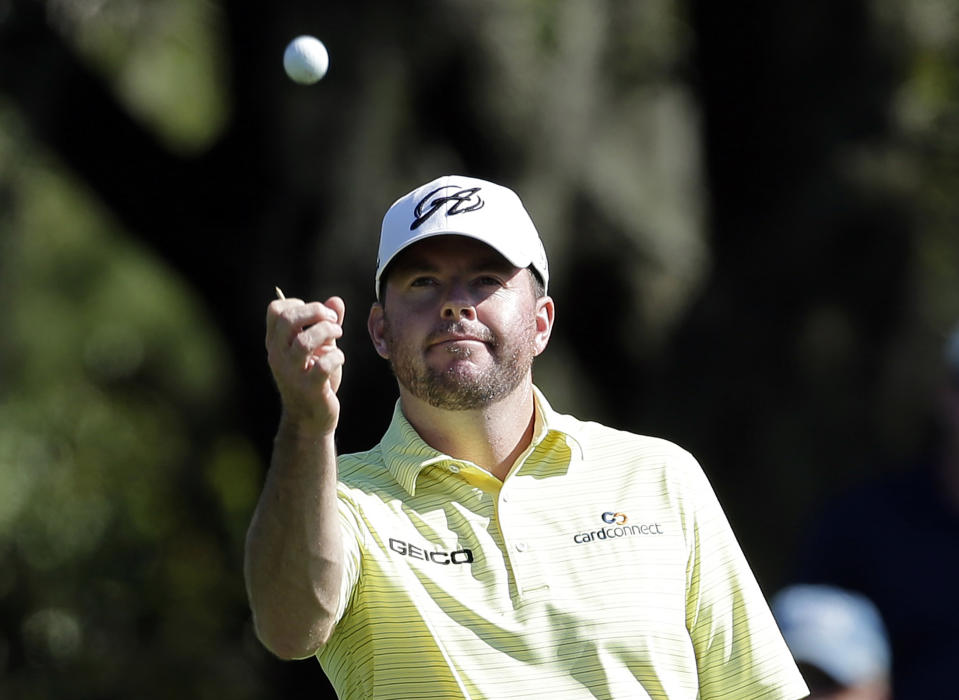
<point x="463" y="206"/>
<point x="836" y="630"/>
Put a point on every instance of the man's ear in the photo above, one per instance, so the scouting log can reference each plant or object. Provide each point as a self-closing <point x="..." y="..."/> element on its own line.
<point x="545" y="314"/>
<point x="376" y="325"/>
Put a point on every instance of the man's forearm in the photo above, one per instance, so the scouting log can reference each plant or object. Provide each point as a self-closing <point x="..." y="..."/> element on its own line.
<point x="294" y="556"/>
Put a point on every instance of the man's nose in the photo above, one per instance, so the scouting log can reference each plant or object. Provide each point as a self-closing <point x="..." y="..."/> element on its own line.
<point x="458" y="304"/>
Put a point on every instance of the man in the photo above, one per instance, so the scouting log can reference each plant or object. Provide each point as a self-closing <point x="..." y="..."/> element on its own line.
<point x="838" y="639"/>
<point x="488" y="547"/>
<point x="895" y="539"/>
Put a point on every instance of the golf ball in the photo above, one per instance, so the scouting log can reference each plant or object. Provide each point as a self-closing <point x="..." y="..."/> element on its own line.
<point x="306" y="60"/>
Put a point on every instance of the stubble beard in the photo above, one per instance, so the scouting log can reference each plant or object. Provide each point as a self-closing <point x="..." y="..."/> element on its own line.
<point x="461" y="386"/>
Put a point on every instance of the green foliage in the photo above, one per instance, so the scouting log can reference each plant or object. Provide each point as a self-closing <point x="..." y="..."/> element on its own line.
<point x="164" y="59"/>
<point x="928" y="108"/>
<point x="125" y="495"/>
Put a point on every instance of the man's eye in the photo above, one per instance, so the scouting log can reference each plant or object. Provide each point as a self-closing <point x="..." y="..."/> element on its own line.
<point x="422" y="282"/>
<point x="489" y="281"/>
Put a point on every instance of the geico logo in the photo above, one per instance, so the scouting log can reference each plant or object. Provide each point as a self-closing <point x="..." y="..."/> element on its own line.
<point x="460" y="556"/>
<point x="618" y="518"/>
<point x="613" y="532"/>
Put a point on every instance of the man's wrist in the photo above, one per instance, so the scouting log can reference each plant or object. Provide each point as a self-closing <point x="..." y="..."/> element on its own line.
<point x="303" y="430"/>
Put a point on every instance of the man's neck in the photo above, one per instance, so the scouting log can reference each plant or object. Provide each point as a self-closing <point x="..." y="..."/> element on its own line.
<point x="491" y="437"/>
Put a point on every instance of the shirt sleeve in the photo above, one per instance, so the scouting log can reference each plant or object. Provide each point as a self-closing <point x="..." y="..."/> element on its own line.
<point x="350" y="536"/>
<point x="740" y="651"/>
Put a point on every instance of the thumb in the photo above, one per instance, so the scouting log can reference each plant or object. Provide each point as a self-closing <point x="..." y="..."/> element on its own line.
<point x="339" y="306"/>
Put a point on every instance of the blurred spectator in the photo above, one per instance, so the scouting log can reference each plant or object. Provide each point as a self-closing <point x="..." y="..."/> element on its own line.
<point x="896" y="540"/>
<point x="838" y="640"/>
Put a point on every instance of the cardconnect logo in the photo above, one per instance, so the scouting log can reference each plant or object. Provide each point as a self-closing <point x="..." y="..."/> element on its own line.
<point x="621" y="529"/>
<point x="618" y="518"/>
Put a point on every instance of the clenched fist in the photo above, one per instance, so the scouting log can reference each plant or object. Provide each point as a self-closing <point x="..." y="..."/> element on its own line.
<point x="306" y="363"/>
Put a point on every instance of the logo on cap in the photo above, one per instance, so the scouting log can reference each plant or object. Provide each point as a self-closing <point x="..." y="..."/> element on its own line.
<point x="461" y="201"/>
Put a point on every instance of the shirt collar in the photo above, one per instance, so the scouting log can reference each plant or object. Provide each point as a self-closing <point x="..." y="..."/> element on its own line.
<point x="406" y="455"/>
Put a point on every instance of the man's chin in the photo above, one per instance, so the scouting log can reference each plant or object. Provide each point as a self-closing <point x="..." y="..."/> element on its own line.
<point x="462" y="397"/>
<point x="462" y="352"/>
<point x="457" y="389"/>
<point x="465" y="368"/>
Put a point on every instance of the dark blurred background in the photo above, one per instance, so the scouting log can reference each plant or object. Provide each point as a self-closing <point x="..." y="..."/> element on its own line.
<point x="750" y="212"/>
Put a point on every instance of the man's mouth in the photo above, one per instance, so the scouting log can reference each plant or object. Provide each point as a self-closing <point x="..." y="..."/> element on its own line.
<point x="457" y="341"/>
<point x="452" y="338"/>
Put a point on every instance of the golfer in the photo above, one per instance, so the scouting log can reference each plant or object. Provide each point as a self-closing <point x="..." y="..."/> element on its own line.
<point x="488" y="546"/>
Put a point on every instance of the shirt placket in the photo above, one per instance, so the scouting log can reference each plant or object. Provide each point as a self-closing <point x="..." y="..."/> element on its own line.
<point x="518" y="529"/>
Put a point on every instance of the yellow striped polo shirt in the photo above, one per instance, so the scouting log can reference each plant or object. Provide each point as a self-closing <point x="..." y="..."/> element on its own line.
<point x="602" y="567"/>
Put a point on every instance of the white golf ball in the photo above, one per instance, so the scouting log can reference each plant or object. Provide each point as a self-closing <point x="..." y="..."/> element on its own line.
<point x="306" y="60"/>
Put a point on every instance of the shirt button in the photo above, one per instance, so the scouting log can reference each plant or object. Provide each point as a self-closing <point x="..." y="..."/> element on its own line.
<point x="454" y="469"/>
<point x="521" y="546"/>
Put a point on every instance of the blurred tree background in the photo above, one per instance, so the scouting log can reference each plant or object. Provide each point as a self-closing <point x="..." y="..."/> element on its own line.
<point x="750" y="212"/>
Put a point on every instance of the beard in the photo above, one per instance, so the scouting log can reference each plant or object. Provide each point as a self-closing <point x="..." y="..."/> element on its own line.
<point x="463" y="386"/>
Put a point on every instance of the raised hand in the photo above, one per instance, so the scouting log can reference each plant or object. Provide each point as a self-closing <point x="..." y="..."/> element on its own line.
<point x="306" y="363"/>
